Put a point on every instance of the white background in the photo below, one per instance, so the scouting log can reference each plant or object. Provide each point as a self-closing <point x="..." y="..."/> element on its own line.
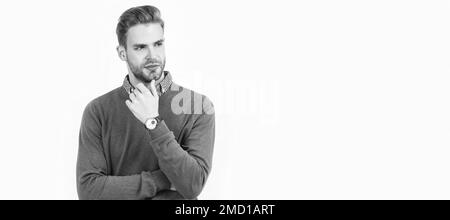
<point x="314" y="99"/>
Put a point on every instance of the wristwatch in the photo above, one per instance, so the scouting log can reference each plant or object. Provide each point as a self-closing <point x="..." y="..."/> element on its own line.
<point x="151" y="123"/>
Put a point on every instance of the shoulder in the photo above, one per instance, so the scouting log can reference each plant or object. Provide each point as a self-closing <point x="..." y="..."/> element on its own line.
<point x="105" y="101"/>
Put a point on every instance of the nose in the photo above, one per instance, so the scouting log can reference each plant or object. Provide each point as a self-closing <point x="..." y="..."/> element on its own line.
<point x="151" y="54"/>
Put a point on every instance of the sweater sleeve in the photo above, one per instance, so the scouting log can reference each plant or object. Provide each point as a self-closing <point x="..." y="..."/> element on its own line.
<point x="188" y="168"/>
<point x="93" y="179"/>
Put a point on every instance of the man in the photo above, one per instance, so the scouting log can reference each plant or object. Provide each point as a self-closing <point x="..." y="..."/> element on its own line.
<point x="149" y="138"/>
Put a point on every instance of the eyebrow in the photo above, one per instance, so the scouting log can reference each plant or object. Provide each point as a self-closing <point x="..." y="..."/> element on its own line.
<point x="160" y="41"/>
<point x="144" y="45"/>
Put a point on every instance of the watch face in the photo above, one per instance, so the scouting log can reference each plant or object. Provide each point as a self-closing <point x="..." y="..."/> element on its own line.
<point x="151" y="123"/>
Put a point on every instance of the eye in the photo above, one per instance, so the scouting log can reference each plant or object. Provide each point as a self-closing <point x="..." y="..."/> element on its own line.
<point x="139" y="48"/>
<point x="159" y="44"/>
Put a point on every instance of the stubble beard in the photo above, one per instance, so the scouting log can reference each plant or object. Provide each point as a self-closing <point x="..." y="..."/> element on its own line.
<point x="147" y="75"/>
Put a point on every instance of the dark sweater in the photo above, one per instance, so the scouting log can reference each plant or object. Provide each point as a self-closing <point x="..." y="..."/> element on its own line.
<point x="119" y="158"/>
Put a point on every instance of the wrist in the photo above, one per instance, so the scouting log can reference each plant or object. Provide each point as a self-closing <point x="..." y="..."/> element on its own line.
<point x="151" y="122"/>
<point x="160" y="180"/>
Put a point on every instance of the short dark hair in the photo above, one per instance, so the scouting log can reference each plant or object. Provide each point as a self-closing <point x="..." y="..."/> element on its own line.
<point x="137" y="15"/>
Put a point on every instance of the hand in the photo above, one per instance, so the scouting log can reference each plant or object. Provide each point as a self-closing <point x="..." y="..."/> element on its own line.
<point x="143" y="102"/>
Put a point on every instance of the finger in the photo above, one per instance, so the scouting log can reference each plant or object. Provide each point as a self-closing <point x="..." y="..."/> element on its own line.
<point x="133" y="96"/>
<point x="153" y="88"/>
<point x="129" y="104"/>
<point x="142" y="88"/>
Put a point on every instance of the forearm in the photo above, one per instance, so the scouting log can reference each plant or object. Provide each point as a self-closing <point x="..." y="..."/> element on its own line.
<point x="168" y="195"/>
<point x="92" y="185"/>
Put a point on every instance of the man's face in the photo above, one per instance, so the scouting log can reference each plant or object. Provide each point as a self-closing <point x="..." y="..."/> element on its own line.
<point x="145" y="51"/>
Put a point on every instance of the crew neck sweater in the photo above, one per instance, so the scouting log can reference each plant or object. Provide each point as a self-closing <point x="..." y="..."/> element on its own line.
<point x="119" y="158"/>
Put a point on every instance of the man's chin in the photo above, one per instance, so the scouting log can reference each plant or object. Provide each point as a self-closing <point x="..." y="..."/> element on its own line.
<point x="148" y="77"/>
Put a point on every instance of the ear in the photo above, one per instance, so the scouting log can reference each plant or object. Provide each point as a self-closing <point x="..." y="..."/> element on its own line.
<point x="122" y="52"/>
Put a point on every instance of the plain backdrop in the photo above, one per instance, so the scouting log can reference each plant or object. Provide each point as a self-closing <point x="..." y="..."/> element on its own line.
<point x="317" y="99"/>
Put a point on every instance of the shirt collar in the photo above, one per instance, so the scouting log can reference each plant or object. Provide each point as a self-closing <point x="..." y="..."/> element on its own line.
<point x="161" y="88"/>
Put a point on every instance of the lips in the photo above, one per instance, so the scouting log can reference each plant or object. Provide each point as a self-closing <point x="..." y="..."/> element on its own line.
<point x="152" y="65"/>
